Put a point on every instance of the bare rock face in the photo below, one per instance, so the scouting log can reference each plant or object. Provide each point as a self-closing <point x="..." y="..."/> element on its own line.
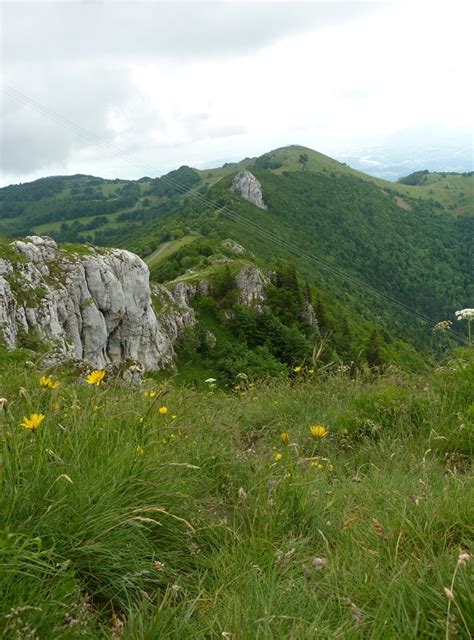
<point x="251" y="283"/>
<point x="92" y="304"/>
<point x="247" y="185"/>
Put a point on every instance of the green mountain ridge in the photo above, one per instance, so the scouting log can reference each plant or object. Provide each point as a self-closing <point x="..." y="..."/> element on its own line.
<point x="393" y="255"/>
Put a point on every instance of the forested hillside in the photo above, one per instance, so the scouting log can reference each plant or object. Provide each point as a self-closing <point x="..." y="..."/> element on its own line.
<point x="363" y="243"/>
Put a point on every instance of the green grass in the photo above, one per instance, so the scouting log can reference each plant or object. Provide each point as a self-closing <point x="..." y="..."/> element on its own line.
<point x="7" y="252"/>
<point x="201" y="532"/>
<point x="168" y="248"/>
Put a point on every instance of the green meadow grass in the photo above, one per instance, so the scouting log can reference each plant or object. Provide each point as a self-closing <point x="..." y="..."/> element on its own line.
<point x="201" y="522"/>
<point x="167" y="249"/>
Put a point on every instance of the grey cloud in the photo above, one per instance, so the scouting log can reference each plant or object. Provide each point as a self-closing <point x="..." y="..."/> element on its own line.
<point x="53" y="31"/>
<point x="31" y="140"/>
<point x="75" y="57"/>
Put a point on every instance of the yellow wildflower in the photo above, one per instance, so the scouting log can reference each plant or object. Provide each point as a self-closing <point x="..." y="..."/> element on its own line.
<point x="278" y="457"/>
<point x="33" y="422"/>
<point x="284" y="437"/>
<point x="96" y="377"/>
<point x="139" y="450"/>
<point x="297" y="369"/>
<point x="47" y="382"/>
<point x="163" y="410"/>
<point x="318" y="431"/>
<point x="150" y="394"/>
<point x="173" y="417"/>
<point x="140" y="419"/>
<point x="330" y="467"/>
<point x="311" y="372"/>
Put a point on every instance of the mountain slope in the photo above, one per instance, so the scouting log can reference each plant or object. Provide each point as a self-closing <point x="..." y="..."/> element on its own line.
<point x="345" y="234"/>
<point x="363" y="241"/>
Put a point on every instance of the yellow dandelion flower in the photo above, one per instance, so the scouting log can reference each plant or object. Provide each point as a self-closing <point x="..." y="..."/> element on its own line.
<point x="139" y="450"/>
<point x="297" y="369"/>
<point x="311" y="372"/>
<point x="278" y="457"/>
<point x="284" y="437"/>
<point x="150" y="394"/>
<point x="47" y="382"/>
<point x="96" y="377"/>
<point x="140" y="419"/>
<point x="320" y="466"/>
<point x="33" y="422"/>
<point x="318" y="431"/>
<point x="163" y="410"/>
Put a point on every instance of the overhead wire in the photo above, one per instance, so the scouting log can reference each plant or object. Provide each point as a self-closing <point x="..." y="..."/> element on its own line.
<point x="249" y="225"/>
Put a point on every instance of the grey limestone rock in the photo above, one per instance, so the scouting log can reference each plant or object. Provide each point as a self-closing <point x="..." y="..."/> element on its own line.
<point x="251" y="283"/>
<point x="247" y="185"/>
<point x="94" y="305"/>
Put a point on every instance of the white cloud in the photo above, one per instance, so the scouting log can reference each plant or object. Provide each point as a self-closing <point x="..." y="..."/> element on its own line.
<point x="190" y="83"/>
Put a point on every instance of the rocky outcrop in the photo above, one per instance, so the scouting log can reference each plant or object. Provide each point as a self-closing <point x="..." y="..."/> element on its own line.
<point x="308" y="315"/>
<point x="96" y="305"/>
<point x="247" y="185"/>
<point x="91" y="304"/>
<point x="176" y="313"/>
<point x="251" y="284"/>
<point x="233" y="246"/>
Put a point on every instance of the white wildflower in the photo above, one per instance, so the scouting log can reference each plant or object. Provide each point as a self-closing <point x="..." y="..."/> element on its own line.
<point x="465" y="314"/>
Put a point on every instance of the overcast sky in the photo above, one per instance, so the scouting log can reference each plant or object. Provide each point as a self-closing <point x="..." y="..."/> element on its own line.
<point x="202" y="83"/>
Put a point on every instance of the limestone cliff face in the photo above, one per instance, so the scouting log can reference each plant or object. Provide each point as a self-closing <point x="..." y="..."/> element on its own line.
<point x="95" y="305"/>
<point x="247" y="185"/>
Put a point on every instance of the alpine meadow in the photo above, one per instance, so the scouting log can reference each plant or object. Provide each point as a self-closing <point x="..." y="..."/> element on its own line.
<point x="236" y="395"/>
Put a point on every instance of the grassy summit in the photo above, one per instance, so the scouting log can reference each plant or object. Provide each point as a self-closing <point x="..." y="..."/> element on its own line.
<point x="167" y="512"/>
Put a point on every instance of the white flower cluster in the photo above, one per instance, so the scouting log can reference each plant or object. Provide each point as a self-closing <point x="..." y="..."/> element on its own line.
<point x="465" y="314"/>
<point x="443" y="325"/>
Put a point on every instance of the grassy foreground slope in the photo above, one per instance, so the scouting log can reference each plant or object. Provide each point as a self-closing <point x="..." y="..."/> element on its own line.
<point x="203" y="521"/>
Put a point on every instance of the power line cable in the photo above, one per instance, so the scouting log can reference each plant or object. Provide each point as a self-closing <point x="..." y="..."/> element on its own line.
<point x="237" y="218"/>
